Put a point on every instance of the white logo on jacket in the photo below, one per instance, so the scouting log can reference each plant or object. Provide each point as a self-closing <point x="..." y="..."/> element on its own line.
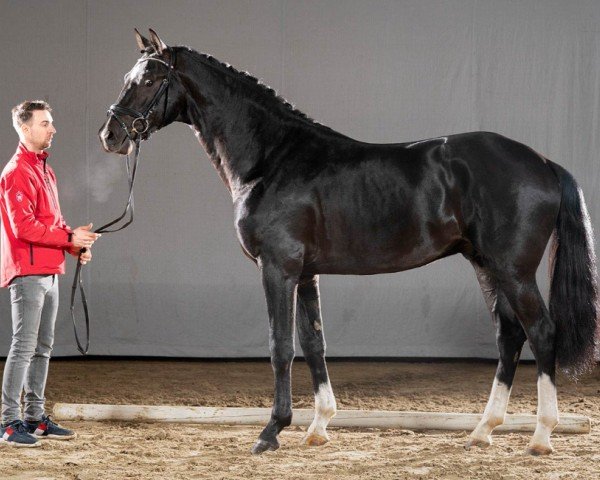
<point x="19" y="197"/>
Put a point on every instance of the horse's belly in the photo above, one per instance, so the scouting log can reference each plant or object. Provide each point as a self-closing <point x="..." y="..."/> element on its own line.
<point x="385" y="250"/>
<point x="348" y="266"/>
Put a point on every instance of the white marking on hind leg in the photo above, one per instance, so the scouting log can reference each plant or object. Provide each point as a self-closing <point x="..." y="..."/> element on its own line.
<point x="547" y="417"/>
<point x="325" y="408"/>
<point x="493" y="415"/>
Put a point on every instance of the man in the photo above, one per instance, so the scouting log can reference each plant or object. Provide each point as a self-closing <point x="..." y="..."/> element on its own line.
<point x="34" y="239"/>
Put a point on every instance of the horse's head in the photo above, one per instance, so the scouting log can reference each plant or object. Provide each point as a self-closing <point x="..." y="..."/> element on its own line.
<point x="148" y="98"/>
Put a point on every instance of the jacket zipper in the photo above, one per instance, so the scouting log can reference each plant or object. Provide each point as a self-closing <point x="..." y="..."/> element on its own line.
<point x="31" y="253"/>
<point x="50" y="187"/>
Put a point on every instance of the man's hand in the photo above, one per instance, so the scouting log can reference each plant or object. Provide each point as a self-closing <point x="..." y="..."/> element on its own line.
<point x="85" y="256"/>
<point x="83" y="237"/>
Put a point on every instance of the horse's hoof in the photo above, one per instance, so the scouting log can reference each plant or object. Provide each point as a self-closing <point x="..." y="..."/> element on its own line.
<point x="477" y="442"/>
<point x="315" y="440"/>
<point x="262" y="446"/>
<point x="537" y="450"/>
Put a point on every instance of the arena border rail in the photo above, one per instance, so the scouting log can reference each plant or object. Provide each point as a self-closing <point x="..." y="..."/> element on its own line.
<point x="303" y="417"/>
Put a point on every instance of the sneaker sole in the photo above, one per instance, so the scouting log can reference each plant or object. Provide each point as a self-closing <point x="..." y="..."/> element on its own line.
<point x="19" y="445"/>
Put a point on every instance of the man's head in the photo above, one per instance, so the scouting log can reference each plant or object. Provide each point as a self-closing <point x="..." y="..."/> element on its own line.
<point x="33" y="122"/>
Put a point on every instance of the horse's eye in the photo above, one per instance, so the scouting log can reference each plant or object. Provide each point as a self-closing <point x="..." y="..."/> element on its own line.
<point x="148" y="83"/>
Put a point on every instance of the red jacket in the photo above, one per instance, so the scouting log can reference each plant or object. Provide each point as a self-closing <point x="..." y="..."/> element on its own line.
<point x="34" y="234"/>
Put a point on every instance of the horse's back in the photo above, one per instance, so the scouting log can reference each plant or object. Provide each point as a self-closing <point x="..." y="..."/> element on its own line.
<point x="359" y="208"/>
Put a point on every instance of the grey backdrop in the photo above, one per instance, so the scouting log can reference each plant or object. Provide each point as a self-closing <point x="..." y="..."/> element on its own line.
<point x="175" y="283"/>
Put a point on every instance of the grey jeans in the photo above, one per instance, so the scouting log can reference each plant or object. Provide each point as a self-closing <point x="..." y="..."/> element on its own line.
<point x="34" y="303"/>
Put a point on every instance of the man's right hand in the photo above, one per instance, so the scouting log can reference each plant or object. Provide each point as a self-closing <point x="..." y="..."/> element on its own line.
<point x="83" y="237"/>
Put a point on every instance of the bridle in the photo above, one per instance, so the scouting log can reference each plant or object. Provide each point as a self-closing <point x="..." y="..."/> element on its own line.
<point x="142" y="117"/>
<point x="139" y="126"/>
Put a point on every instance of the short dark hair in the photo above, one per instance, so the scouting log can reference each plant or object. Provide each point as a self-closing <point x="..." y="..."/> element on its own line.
<point x="23" y="111"/>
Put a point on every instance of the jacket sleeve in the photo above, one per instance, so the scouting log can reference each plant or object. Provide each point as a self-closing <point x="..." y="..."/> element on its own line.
<point x="20" y="196"/>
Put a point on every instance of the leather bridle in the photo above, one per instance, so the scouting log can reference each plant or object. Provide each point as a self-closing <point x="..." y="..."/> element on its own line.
<point x="141" y="118"/>
<point x="139" y="126"/>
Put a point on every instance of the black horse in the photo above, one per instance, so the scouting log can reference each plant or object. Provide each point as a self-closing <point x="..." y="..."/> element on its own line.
<point x="311" y="201"/>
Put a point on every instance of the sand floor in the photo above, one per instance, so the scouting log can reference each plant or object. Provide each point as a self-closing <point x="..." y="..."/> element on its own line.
<point x="152" y="451"/>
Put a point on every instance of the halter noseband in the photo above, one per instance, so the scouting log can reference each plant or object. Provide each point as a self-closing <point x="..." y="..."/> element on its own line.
<point x="140" y="123"/>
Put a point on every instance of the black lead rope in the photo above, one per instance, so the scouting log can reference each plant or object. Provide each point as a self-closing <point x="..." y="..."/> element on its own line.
<point x="139" y="126"/>
<point x="131" y="170"/>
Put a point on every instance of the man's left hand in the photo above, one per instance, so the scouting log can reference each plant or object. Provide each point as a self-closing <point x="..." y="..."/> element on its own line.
<point x="85" y="256"/>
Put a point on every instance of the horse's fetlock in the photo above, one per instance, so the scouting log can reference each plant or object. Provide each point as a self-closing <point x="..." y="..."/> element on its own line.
<point x="328" y="411"/>
<point x="493" y="422"/>
<point x="283" y="420"/>
<point x="549" y="421"/>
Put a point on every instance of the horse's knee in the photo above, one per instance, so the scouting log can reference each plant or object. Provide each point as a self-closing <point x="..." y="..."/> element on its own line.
<point x="282" y="357"/>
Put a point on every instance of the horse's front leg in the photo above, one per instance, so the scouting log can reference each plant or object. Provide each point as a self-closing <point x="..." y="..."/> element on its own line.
<point x="280" y="290"/>
<point x="312" y="340"/>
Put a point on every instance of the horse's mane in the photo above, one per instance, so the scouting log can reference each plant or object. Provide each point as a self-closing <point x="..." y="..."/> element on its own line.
<point x="255" y="82"/>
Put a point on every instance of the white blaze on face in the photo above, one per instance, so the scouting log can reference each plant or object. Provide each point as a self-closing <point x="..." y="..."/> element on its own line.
<point x="137" y="72"/>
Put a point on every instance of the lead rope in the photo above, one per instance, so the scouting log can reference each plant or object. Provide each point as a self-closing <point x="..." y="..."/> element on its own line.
<point x="131" y="170"/>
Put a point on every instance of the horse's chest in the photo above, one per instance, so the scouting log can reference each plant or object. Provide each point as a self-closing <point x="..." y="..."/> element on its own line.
<point x="245" y="228"/>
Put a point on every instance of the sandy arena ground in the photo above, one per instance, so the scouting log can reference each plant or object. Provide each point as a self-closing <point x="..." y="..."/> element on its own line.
<point x="160" y="451"/>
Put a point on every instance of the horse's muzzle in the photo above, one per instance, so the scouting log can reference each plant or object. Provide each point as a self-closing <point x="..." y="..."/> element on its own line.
<point x="112" y="143"/>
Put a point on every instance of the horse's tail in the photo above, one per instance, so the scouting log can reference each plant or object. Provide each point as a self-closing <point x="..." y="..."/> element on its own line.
<point x="573" y="290"/>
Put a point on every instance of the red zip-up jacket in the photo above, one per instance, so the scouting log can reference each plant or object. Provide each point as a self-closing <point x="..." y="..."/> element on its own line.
<point x="34" y="235"/>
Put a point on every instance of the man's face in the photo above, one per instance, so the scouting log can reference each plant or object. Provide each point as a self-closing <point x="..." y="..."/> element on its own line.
<point x="39" y="130"/>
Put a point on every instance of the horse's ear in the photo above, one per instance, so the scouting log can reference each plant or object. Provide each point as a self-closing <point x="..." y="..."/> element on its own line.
<point x="142" y="42"/>
<point x="157" y="43"/>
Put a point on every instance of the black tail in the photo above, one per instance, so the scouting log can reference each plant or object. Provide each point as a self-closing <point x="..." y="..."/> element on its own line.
<point x="573" y="291"/>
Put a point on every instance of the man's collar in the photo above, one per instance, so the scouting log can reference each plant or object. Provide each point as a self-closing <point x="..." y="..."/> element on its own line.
<point x="22" y="150"/>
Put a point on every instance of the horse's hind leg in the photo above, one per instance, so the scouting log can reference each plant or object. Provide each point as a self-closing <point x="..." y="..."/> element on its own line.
<point x="526" y="301"/>
<point x="510" y="338"/>
<point x="310" y="331"/>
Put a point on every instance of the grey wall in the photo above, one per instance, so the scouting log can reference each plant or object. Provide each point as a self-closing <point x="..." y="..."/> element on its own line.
<point x="175" y="283"/>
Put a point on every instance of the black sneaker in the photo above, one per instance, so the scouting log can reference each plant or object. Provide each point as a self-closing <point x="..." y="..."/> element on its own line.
<point x="15" y="434"/>
<point x="47" y="428"/>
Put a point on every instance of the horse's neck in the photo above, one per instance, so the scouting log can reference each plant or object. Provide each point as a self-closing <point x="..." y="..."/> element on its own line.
<point x="237" y="153"/>
<point x="236" y="144"/>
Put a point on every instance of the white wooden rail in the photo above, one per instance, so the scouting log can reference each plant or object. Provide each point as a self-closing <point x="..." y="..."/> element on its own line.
<point x="304" y="417"/>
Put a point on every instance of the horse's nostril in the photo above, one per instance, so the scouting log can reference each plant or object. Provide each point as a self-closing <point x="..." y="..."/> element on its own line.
<point x="107" y="137"/>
